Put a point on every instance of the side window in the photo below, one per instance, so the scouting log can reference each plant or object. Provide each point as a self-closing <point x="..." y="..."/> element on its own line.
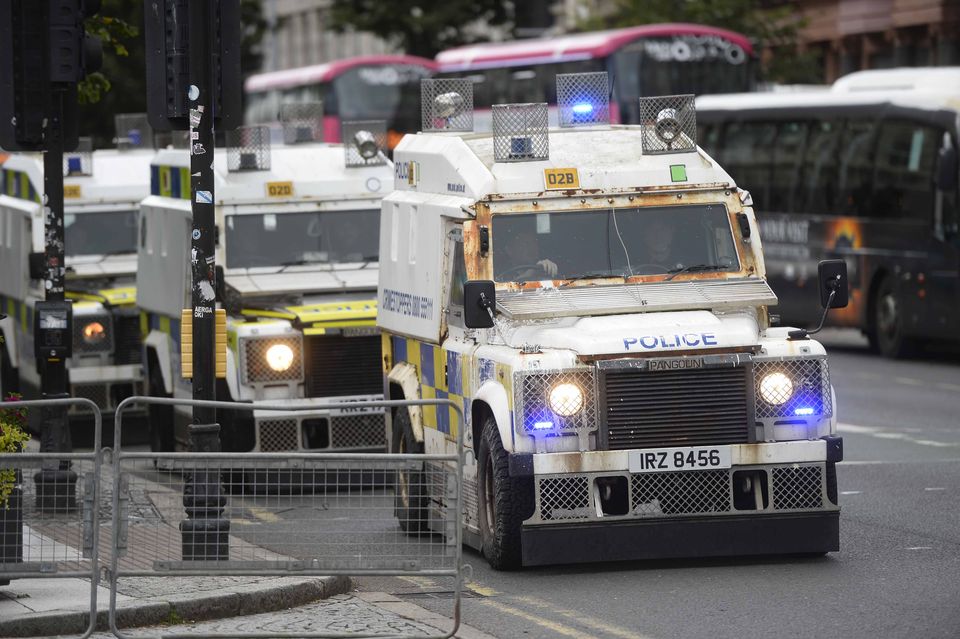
<point x="906" y="158"/>
<point x="785" y="178"/>
<point x="458" y="276"/>
<point x="818" y="192"/>
<point x="748" y="156"/>
<point x="855" y="180"/>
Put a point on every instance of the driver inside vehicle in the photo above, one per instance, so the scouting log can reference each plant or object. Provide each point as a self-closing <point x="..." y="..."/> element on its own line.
<point x="658" y="245"/>
<point x="518" y="255"/>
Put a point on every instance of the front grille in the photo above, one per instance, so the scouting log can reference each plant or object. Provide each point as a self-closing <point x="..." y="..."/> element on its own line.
<point x="279" y="435"/>
<point x="811" y="387"/>
<point x="358" y="431"/>
<point x="681" y="493"/>
<point x="798" y="488"/>
<point x="254" y="364"/>
<point x="564" y="497"/>
<point x="127" y="340"/>
<point x="337" y="366"/>
<point x="692" y="407"/>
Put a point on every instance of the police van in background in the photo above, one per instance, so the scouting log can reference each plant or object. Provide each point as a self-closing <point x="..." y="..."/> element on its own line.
<point x="102" y="194"/>
<point x="297" y="261"/>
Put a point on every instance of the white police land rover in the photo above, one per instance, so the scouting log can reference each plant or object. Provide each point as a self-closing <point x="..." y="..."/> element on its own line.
<point x="298" y="238"/>
<point x="102" y="193"/>
<point x="595" y="297"/>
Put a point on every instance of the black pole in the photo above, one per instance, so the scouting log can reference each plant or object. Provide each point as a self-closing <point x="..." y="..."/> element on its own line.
<point x="205" y="532"/>
<point x="56" y="482"/>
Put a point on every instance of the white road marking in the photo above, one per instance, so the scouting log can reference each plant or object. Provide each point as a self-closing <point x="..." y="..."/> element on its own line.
<point x="882" y="462"/>
<point x="933" y="488"/>
<point x="849" y="492"/>
<point x="908" y="381"/>
<point x="880" y="433"/>
<point x="920" y="548"/>
<point x="946" y="386"/>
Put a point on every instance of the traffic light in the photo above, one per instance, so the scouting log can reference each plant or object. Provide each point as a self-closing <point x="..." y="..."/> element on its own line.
<point x="44" y="52"/>
<point x="166" y="30"/>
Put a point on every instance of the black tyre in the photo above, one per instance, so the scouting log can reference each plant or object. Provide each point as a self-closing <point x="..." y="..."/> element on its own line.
<point x="504" y="501"/>
<point x="411" y="499"/>
<point x="888" y="327"/>
<point x="160" y="418"/>
<point x="8" y="376"/>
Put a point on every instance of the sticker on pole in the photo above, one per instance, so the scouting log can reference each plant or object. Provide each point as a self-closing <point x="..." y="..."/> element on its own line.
<point x="204" y="197"/>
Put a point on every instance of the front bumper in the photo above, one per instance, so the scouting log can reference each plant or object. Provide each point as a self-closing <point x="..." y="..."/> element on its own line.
<point x="316" y="428"/>
<point x="694" y="537"/>
<point x="744" y="509"/>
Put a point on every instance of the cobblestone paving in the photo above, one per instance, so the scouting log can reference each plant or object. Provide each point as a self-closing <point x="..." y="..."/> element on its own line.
<point x="344" y="614"/>
<point x="148" y="587"/>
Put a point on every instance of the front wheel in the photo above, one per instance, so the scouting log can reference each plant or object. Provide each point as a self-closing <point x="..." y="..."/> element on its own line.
<point x="504" y="501"/>
<point x="160" y="416"/>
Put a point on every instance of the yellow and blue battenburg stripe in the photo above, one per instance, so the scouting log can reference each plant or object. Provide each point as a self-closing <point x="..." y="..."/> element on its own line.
<point x="170" y="181"/>
<point x="17" y="184"/>
<point x="317" y="318"/>
<point x="150" y="322"/>
<point x="19" y="312"/>
<point x="444" y="374"/>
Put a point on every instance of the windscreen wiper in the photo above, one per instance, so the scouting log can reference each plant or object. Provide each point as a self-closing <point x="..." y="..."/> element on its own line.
<point x="695" y="267"/>
<point x="590" y="276"/>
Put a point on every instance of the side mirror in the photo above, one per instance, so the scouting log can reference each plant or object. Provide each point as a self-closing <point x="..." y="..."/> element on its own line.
<point x="479" y="301"/>
<point x="947" y="169"/>
<point x="832" y="275"/>
<point x="37" y="265"/>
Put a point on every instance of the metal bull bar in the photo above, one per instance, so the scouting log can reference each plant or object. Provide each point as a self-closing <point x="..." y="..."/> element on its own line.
<point x="292" y="514"/>
<point x="59" y="537"/>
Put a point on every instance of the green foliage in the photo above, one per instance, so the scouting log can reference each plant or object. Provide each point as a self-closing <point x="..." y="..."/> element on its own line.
<point x="775" y="27"/>
<point x="422" y="27"/>
<point x="13" y="437"/>
<point x="113" y="32"/>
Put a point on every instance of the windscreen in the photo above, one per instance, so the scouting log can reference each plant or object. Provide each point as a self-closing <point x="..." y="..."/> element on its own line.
<point x="381" y="92"/>
<point x="285" y="239"/>
<point x="100" y="233"/>
<point x="612" y="243"/>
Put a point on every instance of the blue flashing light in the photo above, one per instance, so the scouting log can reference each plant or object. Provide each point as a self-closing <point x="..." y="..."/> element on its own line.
<point x="542" y="425"/>
<point x="803" y="411"/>
<point x="582" y="108"/>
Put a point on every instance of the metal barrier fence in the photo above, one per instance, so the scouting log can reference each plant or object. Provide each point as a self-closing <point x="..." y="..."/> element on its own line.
<point x="288" y="514"/>
<point x="50" y="528"/>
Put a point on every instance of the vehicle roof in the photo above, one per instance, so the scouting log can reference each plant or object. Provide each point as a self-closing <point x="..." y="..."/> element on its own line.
<point x="608" y="157"/>
<point x="921" y="88"/>
<point x="289" y="78"/>
<point x="576" y="46"/>
<point x="118" y="175"/>
<point x="317" y="172"/>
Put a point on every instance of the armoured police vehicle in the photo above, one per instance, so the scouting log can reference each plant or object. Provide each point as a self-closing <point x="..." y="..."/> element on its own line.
<point x="595" y="298"/>
<point x="102" y="194"/>
<point x="297" y="254"/>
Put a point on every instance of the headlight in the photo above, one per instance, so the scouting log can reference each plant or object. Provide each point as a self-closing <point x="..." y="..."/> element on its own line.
<point x="279" y="357"/>
<point x="566" y="399"/>
<point x="776" y="388"/>
<point x="93" y="333"/>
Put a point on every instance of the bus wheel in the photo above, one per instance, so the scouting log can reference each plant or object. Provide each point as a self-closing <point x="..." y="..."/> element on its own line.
<point x="888" y="322"/>
<point x="504" y="501"/>
<point x="411" y="501"/>
<point x="160" y="417"/>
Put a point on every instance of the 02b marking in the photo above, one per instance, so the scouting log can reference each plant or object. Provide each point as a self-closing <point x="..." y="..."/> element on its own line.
<point x="561" y="179"/>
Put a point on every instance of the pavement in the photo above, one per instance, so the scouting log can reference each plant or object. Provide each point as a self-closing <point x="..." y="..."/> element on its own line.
<point x="169" y="605"/>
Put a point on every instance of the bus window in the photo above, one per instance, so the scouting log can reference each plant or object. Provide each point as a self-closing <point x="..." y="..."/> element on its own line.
<point x="748" y="156"/>
<point x="787" y="151"/>
<point x="818" y="193"/>
<point x="856" y="167"/>
<point x="906" y="157"/>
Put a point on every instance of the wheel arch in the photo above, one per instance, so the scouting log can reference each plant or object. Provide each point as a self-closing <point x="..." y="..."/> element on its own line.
<point x="491" y="399"/>
<point x="404" y="383"/>
<point x="157" y="345"/>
